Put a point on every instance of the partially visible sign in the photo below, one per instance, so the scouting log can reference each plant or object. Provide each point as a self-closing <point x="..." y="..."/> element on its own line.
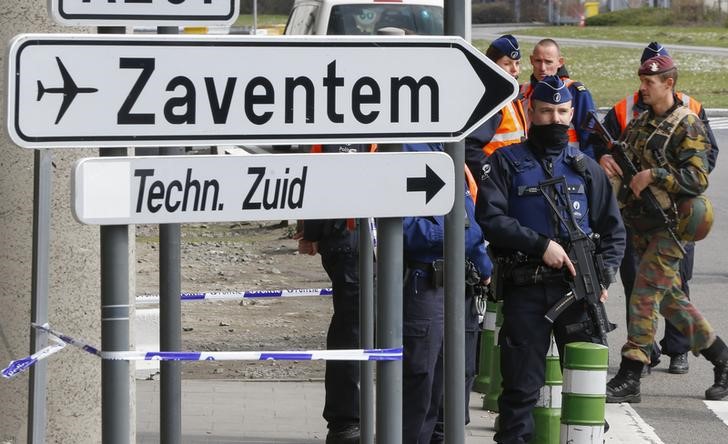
<point x="180" y="189"/>
<point x="144" y="12"/>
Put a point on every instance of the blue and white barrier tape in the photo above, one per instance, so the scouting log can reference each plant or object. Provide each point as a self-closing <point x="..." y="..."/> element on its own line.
<point x="20" y="365"/>
<point x="388" y="354"/>
<point x="373" y="231"/>
<point x="56" y="335"/>
<point x="234" y="295"/>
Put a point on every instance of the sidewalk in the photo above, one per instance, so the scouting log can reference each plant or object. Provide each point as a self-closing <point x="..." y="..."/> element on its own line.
<point x="228" y="411"/>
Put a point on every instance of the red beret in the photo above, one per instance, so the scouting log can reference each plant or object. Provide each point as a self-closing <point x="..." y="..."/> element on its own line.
<point x="656" y="65"/>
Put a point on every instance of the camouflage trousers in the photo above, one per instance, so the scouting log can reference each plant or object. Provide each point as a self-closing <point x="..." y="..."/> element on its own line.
<point x="657" y="286"/>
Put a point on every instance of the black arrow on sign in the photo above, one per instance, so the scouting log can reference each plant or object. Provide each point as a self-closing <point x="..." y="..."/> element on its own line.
<point x="497" y="89"/>
<point x="430" y="184"/>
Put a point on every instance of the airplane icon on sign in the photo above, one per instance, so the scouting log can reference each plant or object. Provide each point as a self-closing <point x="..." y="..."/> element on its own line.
<point x="69" y="90"/>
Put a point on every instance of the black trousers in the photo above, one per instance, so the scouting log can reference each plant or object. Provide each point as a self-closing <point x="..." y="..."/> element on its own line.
<point x="342" y="377"/>
<point x="674" y="342"/>
<point x="472" y="333"/>
<point x="524" y="340"/>
<point x="422" y="366"/>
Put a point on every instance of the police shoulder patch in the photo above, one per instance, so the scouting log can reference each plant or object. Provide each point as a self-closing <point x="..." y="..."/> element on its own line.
<point x="485" y="171"/>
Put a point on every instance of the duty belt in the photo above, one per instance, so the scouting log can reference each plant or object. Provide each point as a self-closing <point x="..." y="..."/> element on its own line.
<point x="435" y="270"/>
<point x="525" y="274"/>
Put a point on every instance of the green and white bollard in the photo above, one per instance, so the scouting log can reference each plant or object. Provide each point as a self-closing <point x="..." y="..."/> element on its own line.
<point x="482" y="381"/>
<point x="547" y="413"/>
<point x="490" y="400"/>
<point x="584" y="393"/>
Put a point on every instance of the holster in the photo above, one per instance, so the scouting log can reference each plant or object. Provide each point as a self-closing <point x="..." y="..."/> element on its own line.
<point x="437" y="277"/>
<point x="435" y="271"/>
<point x="496" y="281"/>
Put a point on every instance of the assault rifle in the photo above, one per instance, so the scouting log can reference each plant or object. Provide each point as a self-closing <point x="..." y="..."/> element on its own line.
<point x="591" y="271"/>
<point x="618" y="151"/>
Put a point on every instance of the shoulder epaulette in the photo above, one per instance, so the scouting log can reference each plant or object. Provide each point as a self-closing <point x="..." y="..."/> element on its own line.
<point x="572" y="152"/>
<point x="517" y="155"/>
<point x="579" y="86"/>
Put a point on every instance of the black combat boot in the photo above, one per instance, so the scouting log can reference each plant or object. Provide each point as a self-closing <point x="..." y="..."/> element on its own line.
<point x="717" y="354"/>
<point x="343" y="434"/>
<point x="625" y="386"/>
<point x="679" y="364"/>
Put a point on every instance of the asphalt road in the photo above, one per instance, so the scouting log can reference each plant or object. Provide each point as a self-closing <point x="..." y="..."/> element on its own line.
<point x="673" y="404"/>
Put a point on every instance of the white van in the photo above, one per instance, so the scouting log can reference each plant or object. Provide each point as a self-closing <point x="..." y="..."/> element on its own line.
<point x="365" y="17"/>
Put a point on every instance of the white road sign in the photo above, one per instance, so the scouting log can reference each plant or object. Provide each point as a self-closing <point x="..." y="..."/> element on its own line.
<point x="87" y="91"/>
<point x="179" y="189"/>
<point x="144" y="12"/>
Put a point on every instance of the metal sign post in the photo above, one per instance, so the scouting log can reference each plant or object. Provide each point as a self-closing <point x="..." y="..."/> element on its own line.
<point x="203" y="90"/>
<point x="170" y="316"/>
<point x="38" y="380"/>
<point x="170" y="331"/>
<point x="389" y="329"/>
<point x="457" y="22"/>
<point x="366" y="331"/>
<point x="115" y="417"/>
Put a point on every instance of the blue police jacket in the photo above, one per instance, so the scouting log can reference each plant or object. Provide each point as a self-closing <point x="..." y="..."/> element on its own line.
<point x="526" y="202"/>
<point x="424" y="236"/>
<point x="510" y="227"/>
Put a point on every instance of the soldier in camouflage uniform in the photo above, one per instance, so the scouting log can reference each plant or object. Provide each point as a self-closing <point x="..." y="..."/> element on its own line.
<point x="669" y="144"/>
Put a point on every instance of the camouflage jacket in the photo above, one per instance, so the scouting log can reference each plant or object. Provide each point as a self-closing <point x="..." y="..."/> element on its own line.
<point x="680" y="167"/>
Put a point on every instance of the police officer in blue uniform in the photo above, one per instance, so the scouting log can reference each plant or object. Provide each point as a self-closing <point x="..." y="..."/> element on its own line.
<point x="526" y="239"/>
<point x="338" y="246"/>
<point x="507" y="126"/>
<point x="546" y="60"/>
<point x="423" y="314"/>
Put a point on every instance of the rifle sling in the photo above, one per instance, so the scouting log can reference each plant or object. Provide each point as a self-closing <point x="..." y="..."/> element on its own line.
<point x="658" y="140"/>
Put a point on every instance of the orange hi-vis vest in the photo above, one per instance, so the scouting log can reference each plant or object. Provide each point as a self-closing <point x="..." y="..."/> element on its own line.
<point x="472" y="184"/>
<point x="512" y="129"/>
<point x="625" y="111"/>
<point x="527" y="90"/>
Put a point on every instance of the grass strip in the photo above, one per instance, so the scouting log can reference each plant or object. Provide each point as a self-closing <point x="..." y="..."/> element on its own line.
<point x="611" y="73"/>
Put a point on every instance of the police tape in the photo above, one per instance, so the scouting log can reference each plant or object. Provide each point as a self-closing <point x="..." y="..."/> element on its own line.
<point x="20" y="365"/>
<point x="373" y="231"/>
<point x="235" y="295"/>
